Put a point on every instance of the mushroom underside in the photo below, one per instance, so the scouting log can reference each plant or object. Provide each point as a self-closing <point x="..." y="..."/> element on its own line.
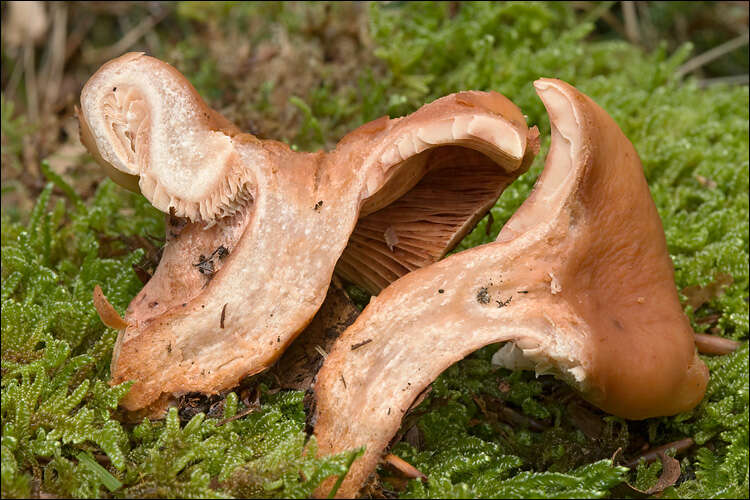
<point x="427" y="222"/>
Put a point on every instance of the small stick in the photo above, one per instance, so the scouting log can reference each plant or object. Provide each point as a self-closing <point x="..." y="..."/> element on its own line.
<point x="712" y="344"/>
<point x="32" y="96"/>
<point x="321" y="351"/>
<point x="241" y="414"/>
<point x="712" y="54"/>
<point x="631" y="22"/>
<point x="404" y="467"/>
<point x="652" y="455"/>
<point x="729" y="80"/>
<point x="127" y="41"/>
<point x="360" y="344"/>
<point x="519" y="418"/>
<point x="223" y="312"/>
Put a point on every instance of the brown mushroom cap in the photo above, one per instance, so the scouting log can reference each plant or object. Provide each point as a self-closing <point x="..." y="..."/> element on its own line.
<point x="579" y="280"/>
<point x="255" y="229"/>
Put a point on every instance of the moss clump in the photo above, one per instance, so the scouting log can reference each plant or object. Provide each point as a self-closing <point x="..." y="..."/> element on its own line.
<point x="482" y="431"/>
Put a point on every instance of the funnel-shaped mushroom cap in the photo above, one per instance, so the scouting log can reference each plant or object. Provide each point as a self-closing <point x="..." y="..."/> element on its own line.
<point x="256" y="229"/>
<point x="579" y="281"/>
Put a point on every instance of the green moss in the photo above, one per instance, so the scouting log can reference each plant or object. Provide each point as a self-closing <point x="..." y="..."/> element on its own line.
<point x="693" y="142"/>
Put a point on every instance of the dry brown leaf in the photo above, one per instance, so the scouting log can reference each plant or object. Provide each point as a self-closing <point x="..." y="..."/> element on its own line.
<point x="670" y="473"/>
<point x="713" y="344"/>
<point x="107" y="312"/>
<point x="698" y="295"/>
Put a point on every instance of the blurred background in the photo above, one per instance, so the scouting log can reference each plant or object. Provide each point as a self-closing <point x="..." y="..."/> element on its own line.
<point x="289" y="71"/>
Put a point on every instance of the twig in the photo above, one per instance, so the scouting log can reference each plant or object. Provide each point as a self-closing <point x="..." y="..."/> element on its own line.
<point x="601" y="11"/>
<point x="728" y="80"/>
<point x="652" y="455"/>
<point x="596" y="11"/>
<point x="514" y="417"/>
<point x="241" y="414"/>
<point x="32" y="96"/>
<point x="15" y="76"/>
<point x="712" y="344"/>
<point x="78" y="35"/>
<point x="127" y="41"/>
<point x="614" y="23"/>
<point x="55" y="64"/>
<point x="631" y="22"/>
<point x="713" y="54"/>
<point x="646" y="27"/>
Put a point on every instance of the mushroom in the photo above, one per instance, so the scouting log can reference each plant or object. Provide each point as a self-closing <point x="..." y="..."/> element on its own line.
<point x="255" y="229"/>
<point x="578" y="283"/>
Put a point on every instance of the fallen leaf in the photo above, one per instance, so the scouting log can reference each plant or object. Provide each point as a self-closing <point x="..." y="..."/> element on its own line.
<point x="670" y="473"/>
<point x="698" y="295"/>
<point x="404" y="467"/>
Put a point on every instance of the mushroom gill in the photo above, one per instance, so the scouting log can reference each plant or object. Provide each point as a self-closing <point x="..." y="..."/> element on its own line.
<point x="579" y="280"/>
<point x="255" y="229"/>
<point x="429" y="220"/>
